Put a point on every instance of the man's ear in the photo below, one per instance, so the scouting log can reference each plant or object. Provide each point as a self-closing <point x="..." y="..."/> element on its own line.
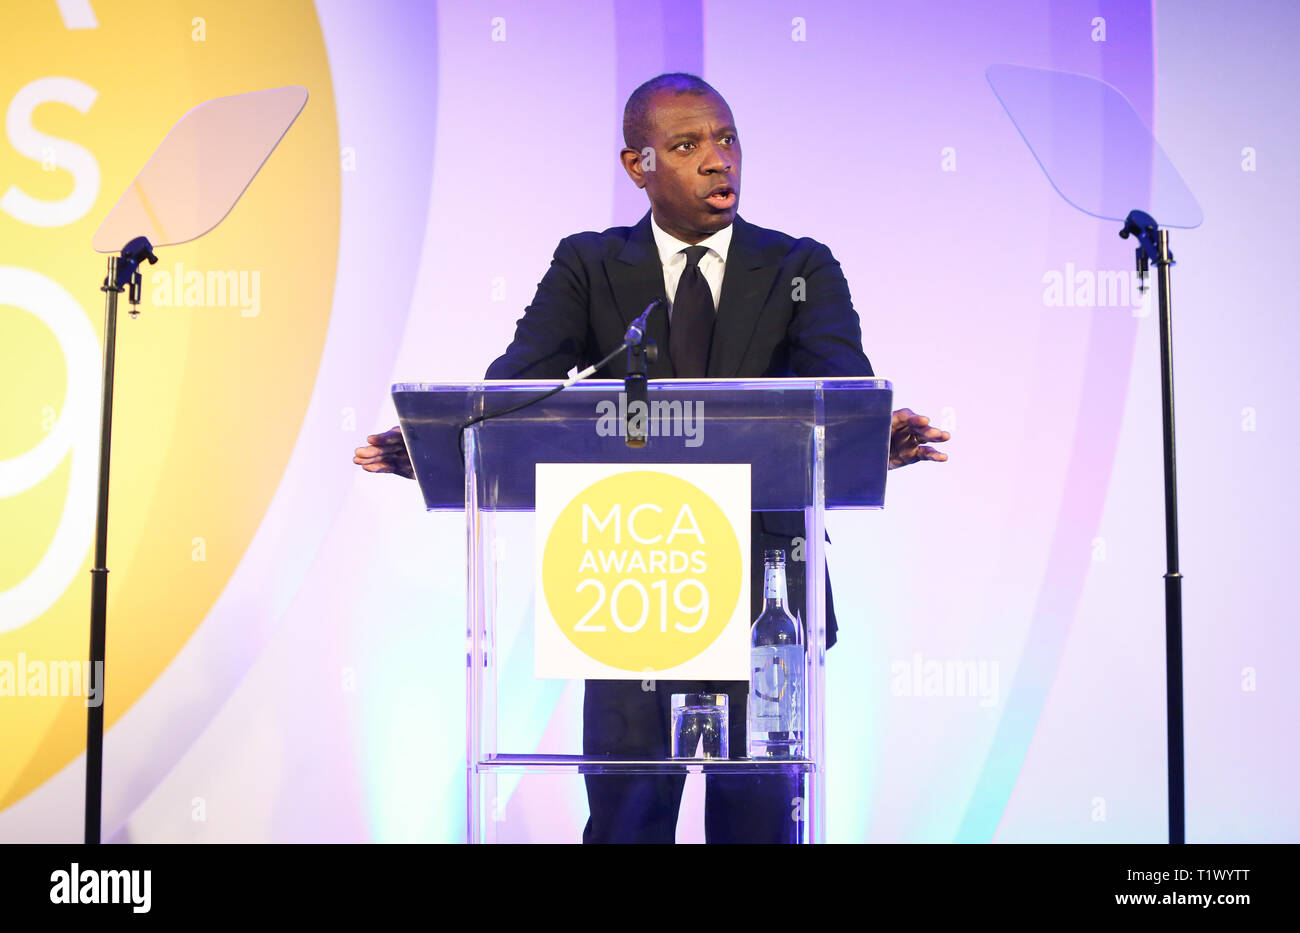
<point x="634" y="165"/>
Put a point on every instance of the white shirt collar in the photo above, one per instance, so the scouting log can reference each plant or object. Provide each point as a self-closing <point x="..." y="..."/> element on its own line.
<point x="669" y="246"/>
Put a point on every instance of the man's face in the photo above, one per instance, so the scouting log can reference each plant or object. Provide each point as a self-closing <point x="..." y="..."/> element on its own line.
<point x="694" y="188"/>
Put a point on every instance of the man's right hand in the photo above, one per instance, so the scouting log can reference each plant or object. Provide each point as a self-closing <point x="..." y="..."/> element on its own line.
<point x="386" y="453"/>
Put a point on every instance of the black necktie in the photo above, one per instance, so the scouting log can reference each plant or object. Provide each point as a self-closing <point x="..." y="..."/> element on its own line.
<point x="690" y="330"/>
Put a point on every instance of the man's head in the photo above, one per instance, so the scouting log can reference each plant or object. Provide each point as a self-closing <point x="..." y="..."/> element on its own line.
<point x="682" y="148"/>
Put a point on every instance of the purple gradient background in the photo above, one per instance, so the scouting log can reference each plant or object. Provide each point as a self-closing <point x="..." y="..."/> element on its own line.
<point x="473" y="158"/>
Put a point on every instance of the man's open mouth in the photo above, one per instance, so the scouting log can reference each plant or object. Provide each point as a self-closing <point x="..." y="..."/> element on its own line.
<point x="722" y="197"/>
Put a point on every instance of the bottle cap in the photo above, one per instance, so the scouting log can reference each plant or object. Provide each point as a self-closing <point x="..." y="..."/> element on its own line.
<point x="699" y="699"/>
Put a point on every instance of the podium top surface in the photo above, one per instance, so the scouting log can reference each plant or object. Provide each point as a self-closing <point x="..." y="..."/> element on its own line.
<point x="769" y="423"/>
<point x="714" y="387"/>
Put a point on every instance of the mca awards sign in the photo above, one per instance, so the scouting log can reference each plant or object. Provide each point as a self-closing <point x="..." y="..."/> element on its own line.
<point x="642" y="572"/>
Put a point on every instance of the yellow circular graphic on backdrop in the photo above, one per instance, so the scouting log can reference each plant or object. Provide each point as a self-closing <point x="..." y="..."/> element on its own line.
<point x="641" y="571"/>
<point x="224" y="355"/>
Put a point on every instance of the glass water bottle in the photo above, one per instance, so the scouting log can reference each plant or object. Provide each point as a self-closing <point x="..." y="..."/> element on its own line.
<point x="776" y="676"/>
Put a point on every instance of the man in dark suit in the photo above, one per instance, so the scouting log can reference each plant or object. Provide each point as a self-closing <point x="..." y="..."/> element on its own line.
<point x="742" y="301"/>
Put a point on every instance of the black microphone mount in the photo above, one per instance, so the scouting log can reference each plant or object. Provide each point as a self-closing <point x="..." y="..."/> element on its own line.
<point x="639" y="352"/>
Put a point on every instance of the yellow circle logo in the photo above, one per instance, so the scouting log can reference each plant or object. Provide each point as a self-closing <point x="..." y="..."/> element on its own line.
<point x="641" y="571"/>
<point x="230" y="340"/>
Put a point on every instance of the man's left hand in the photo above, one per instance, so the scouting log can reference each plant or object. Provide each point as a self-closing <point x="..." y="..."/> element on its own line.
<point x="910" y="435"/>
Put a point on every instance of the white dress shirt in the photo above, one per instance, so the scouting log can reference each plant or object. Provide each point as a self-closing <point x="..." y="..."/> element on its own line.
<point x="712" y="264"/>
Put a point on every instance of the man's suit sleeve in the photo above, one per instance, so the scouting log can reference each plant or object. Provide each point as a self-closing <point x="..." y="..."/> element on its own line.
<point x="825" y="335"/>
<point x="551" y="337"/>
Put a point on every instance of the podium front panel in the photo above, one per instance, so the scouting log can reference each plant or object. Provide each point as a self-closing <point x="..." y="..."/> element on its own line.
<point x="560" y="760"/>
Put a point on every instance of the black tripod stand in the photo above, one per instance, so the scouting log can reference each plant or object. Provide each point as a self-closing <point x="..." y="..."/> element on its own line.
<point x="1153" y="247"/>
<point x="123" y="273"/>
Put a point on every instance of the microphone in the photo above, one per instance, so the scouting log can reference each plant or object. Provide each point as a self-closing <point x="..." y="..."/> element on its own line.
<point x="639" y="350"/>
<point x="632" y="342"/>
<point x="636" y="330"/>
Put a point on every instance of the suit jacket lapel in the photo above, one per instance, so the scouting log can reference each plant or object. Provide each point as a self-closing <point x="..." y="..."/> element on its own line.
<point x="637" y="278"/>
<point x="745" y="285"/>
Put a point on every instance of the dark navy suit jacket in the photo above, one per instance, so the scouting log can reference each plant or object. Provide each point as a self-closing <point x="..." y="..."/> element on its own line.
<point x="784" y="311"/>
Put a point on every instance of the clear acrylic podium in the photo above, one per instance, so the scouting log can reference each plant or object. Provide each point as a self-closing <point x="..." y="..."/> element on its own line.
<point x="812" y="444"/>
